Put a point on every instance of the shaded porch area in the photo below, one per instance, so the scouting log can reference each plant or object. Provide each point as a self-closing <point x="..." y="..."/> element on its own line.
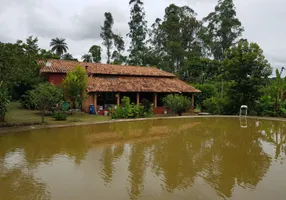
<point x="103" y="101"/>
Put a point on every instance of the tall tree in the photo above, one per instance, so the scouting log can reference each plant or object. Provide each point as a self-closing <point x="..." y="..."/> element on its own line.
<point x="31" y="45"/>
<point x="138" y="33"/>
<point x="117" y="56"/>
<point x="87" y="57"/>
<point x="175" y="38"/>
<point x="59" y="46"/>
<point x="95" y="52"/>
<point x="247" y="70"/>
<point x="107" y="34"/>
<point x="19" y="69"/>
<point x="223" y="29"/>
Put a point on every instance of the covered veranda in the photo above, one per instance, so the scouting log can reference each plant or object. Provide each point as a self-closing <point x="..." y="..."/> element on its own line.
<point x="103" y="101"/>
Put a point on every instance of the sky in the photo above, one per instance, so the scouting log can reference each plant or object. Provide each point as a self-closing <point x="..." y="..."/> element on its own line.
<point x="79" y="21"/>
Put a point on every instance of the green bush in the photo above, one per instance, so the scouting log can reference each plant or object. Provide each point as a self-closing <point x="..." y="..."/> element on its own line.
<point x="46" y="97"/>
<point x="147" y="108"/>
<point x="27" y="101"/>
<point x="216" y="105"/>
<point x="130" y="110"/>
<point x="207" y="91"/>
<point x="60" y="116"/>
<point x="177" y="103"/>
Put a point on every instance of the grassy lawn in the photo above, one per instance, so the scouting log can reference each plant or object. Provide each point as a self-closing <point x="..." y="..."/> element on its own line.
<point x="18" y="115"/>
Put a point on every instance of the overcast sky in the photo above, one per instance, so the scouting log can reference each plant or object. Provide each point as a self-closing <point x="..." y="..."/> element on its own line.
<point x="79" y="21"/>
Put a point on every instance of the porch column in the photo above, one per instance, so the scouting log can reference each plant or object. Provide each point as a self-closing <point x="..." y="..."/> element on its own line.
<point x="193" y="102"/>
<point x="155" y="100"/>
<point x="118" y="98"/>
<point x="95" y="101"/>
<point x="138" y="98"/>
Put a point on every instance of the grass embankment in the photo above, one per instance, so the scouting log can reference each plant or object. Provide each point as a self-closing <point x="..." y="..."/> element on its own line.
<point x="18" y="116"/>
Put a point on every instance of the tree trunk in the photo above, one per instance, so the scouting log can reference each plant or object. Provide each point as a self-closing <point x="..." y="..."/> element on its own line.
<point x="43" y="116"/>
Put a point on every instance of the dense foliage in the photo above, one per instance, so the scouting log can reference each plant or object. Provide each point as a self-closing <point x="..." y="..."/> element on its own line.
<point x="45" y="97"/>
<point x="137" y="34"/>
<point x="19" y="69"/>
<point x="131" y="110"/>
<point x="60" y="115"/>
<point x="74" y="85"/>
<point x="177" y="103"/>
<point x="4" y="101"/>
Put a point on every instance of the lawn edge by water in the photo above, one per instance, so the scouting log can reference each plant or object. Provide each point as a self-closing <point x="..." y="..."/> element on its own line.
<point x="23" y="128"/>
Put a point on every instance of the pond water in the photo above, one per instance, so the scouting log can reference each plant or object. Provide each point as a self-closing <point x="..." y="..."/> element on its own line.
<point x="199" y="158"/>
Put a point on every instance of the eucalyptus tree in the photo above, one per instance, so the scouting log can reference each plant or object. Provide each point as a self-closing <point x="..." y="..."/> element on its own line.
<point x="138" y="33"/>
<point x="107" y="34"/>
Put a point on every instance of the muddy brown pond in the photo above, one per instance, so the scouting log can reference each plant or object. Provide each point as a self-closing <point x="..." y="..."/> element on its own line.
<point x="199" y="158"/>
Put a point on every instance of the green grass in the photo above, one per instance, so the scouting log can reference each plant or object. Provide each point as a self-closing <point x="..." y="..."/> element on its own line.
<point x="18" y="115"/>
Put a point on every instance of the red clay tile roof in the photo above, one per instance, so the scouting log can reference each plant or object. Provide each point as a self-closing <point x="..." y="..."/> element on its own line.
<point x="63" y="66"/>
<point x="138" y="84"/>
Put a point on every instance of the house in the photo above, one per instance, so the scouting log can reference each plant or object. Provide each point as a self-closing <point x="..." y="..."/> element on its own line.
<point x="107" y="83"/>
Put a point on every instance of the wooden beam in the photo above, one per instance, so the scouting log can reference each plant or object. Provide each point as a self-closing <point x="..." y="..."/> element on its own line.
<point x="155" y="100"/>
<point x="118" y="98"/>
<point x="95" y="101"/>
<point x="193" y="102"/>
<point x="138" y="98"/>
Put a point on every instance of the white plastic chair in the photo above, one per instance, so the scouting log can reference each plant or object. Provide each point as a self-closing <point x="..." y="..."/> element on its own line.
<point x="243" y="107"/>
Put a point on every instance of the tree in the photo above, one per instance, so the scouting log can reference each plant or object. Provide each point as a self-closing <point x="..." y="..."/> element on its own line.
<point x="247" y="70"/>
<point x="137" y="34"/>
<point x="31" y="46"/>
<point x="117" y="56"/>
<point x="59" y="46"/>
<point x="107" y="34"/>
<point x="19" y="69"/>
<point x="68" y="56"/>
<point x="95" y="51"/>
<point x="273" y="103"/>
<point x="48" y="54"/>
<point x="4" y="101"/>
<point x="177" y="103"/>
<point x="74" y="86"/>
<point x="175" y="38"/>
<point x="87" y="57"/>
<point x="200" y="70"/>
<point x="46" y="96"/>
<point x="223" y="29"/>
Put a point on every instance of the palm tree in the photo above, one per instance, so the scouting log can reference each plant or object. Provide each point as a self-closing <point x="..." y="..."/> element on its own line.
<point x="59" y="46"/>
<point x="87" y="58"/>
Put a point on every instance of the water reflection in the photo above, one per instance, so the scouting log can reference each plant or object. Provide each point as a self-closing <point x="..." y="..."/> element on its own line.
<point x="147" y="159"/>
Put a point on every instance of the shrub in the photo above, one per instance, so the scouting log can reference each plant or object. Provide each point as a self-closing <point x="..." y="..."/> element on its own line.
<point x="27" y="101"/>
<point x="207" y="91"/>
<point x="147" y="108"/>
<point x="177" y="103"/>
<point x="130" y="110"/>
<point x="216" y="105"/>
<point x="60" y="116"/>
<point x="46" y="96"/>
